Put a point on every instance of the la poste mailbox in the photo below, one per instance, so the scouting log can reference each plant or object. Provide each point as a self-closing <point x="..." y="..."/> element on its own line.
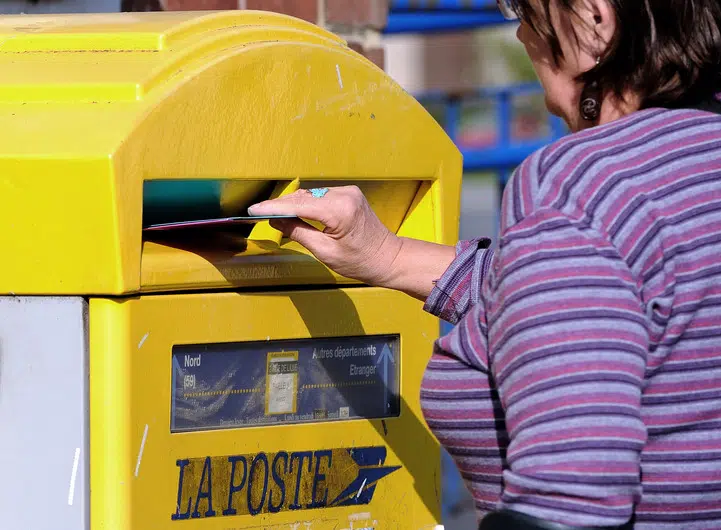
<point x="216" y="379"/>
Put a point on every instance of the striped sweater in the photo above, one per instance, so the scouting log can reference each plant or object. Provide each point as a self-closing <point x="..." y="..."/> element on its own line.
<point x="581" y="382"/>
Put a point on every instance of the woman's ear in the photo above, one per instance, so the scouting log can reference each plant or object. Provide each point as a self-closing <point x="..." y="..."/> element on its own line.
<point x="597" y="27"/>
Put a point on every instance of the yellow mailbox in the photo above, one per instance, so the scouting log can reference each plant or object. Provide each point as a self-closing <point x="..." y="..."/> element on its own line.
<point x="214" y="380"/>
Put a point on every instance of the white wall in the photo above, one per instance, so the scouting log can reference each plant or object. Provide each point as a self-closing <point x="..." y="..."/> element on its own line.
<point x="450" y="61"/>
<point x="405" y="61"/>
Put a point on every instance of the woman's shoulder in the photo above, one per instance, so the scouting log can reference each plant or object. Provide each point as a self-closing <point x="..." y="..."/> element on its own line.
<point x="639" y="131"/>
<point x="580" y="171"/>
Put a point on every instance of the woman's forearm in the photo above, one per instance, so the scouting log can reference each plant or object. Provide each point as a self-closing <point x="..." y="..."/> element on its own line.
<point x="416" y="267"/>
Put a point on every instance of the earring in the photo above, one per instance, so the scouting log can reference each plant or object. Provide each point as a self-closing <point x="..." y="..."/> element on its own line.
<point x="591" y="100"/>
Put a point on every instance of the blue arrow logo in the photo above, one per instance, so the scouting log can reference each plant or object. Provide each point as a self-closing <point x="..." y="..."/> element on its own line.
<point x="385" y="356"/>
<point x="371" y="470"/>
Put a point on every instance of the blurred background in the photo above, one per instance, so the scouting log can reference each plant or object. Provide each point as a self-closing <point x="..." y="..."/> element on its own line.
<point x="459" y="58"/>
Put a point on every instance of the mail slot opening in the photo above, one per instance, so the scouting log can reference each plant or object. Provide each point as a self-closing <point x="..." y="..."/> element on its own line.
<point x="246" y="254"/>
<point x="203" y="207"/>
<point x="185" y="201"/>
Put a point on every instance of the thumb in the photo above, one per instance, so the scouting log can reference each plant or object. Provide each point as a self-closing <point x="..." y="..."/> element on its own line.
<point x="272" y="207"/>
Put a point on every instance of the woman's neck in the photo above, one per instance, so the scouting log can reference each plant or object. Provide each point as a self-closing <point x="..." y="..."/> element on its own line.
<point x="612" y="108"/>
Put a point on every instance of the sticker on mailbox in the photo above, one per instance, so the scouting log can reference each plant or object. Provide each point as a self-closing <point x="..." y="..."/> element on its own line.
<point x="281" y="383"/>
<point x="220" y="386"/>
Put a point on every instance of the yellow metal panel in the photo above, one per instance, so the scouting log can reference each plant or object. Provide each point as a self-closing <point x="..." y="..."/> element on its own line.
<point x="37" y="240"/>
<point x="135" y="478"/>
<point x="91" y="107"/>
<point x="229" y="261"/>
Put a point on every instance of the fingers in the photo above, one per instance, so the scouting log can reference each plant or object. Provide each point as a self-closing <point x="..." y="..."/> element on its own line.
<point x="300" y="231"/>
<point x="330" y="210"/>
<point x="300" y="203"/>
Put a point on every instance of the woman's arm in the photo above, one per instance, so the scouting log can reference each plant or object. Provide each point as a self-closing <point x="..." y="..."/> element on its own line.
<point x="416" y="267"/>
<point x="357" y="245"/>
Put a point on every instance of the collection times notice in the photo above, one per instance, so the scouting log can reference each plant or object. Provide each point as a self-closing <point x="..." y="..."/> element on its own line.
<point x="233" y="385"/>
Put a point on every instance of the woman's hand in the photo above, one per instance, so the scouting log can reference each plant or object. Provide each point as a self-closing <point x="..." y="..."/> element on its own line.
<point x="354" y="243"/>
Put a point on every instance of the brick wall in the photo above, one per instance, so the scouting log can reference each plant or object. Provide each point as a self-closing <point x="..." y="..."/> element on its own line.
<point x="358" y="21"/>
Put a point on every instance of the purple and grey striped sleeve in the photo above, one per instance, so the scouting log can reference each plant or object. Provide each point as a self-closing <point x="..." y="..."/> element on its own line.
<point x="567" y="347"/>
<point x="459" y="288"/>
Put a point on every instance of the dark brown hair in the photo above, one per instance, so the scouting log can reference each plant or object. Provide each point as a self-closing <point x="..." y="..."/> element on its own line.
<point x="668" y="52"/>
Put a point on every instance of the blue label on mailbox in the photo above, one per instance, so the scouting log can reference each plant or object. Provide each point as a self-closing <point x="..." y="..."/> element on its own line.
<point x="232" y="385"/>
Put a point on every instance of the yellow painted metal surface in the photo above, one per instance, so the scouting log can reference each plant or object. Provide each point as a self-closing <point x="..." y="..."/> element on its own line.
<point x="94" y="106"/>
<point x="243" y="478"/>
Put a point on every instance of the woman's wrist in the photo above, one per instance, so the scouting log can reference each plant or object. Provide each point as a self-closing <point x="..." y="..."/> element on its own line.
<point x="414" y="266"/>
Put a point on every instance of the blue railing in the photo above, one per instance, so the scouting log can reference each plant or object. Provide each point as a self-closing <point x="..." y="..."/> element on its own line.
<point x="441" y="5"/>
<point x="424" y="16"/>
<point x="505" y="153"/>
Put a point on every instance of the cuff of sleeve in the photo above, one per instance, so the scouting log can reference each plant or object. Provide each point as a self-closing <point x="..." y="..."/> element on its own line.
<point x="456" y="290"/>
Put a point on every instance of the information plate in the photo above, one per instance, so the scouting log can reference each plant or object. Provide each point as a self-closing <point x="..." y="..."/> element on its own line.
<point x="220" y="386"/>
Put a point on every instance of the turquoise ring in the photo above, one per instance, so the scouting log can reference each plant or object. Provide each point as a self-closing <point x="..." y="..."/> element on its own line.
<point x="318" y="193"/>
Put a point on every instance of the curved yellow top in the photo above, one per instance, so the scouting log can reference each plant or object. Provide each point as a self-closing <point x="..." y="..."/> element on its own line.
<point x="93" y="107"/>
